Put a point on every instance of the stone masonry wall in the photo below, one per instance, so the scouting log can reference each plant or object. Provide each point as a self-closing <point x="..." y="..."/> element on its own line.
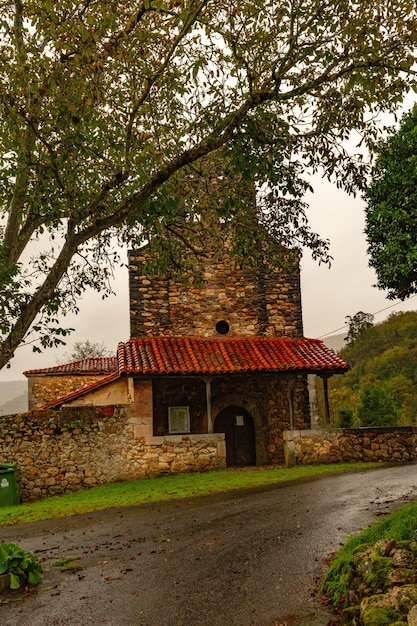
<point x="306" y="447"/>
<point x="80" y="447"/>
<point x="43" y="388"/>
<point x="264" y="396"/>
<point x="254" y="302"/>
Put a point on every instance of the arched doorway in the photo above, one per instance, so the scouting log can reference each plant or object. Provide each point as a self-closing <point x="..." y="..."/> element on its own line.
<point x="239" y="430"/>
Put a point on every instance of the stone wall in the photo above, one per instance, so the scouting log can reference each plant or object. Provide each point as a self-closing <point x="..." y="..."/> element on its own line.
<point x="341" y="445"/>
<point x="43" y="387"/>
<point x="263" y="301"/>
<point x="263" y="395"/>
<point x="79" y="447"/>
<point x="266" y="398"/>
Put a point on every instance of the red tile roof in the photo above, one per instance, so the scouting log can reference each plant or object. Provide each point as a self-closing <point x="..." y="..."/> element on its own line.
<point x="192" y="355"/>
<point x="199" y="355"/>
<point x="90" y="365"/>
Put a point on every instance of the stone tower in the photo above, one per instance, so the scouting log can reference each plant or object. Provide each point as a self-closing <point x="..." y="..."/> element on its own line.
<point x="223" y="296"/>
<point x="228" y="299"/>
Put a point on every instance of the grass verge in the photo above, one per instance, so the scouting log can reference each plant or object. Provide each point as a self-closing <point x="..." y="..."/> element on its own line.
<point x="163" y="488"/>
<point x="399" y="525"/>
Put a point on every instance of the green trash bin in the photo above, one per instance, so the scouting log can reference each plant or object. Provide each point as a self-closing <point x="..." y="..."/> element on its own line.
<point x="9" y="488"/>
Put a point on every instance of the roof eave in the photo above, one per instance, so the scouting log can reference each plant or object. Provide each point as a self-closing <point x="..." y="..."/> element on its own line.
<point x="288" y="370"/>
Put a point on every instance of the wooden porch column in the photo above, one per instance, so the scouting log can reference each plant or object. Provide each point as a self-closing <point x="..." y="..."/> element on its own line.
<point x="326" y="397"/>
<point x="208" y="402"/>
<point x="291" y="401"/>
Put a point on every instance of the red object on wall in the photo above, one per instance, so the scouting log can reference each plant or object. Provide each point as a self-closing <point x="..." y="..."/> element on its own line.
<point x="107" y="410"/>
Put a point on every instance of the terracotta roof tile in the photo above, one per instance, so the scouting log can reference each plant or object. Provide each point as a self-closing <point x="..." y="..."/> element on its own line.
<point x="198" y="355"/>
<point x="194" y="355"/>
<point x="91" y="365"/>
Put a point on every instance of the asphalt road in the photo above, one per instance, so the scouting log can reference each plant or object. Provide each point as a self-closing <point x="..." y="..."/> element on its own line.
<point x="241" y="559"/>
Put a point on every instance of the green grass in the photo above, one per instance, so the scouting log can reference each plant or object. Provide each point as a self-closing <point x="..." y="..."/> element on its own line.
<point x="68" y="564"/>
<point x="161" y="489"/>
<point x="399" y="525"/>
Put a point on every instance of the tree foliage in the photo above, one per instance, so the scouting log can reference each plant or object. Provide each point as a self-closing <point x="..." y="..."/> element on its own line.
<point x="87" y="349"/>
<point x="377" y="407"/>
<point x="391" y="209"/>
<point x="357" y="324"/>
<point x="383" y="373"/>
<point x="108" y="108"/>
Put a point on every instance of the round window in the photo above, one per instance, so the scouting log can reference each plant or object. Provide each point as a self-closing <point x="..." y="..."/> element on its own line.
<point x="222" y="327"/>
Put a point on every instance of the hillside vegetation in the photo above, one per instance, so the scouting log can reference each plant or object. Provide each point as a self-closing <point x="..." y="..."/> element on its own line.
<point x="381" y="387"/>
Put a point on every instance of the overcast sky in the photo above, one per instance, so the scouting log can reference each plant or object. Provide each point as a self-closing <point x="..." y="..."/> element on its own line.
<point x="329" y="295"/>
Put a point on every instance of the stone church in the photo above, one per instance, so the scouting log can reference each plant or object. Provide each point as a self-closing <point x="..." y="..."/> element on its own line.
<point x="222" y="356"/>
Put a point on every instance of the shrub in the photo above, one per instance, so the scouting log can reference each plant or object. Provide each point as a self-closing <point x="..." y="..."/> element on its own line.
<point x="20" y="565"/>
<point x="345" y="419"/>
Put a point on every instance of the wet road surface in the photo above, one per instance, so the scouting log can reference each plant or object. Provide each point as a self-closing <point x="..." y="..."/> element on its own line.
<point x="248" y="558"/>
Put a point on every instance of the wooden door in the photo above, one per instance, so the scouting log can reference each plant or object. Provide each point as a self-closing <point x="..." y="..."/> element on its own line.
<point x="238" y="427"/>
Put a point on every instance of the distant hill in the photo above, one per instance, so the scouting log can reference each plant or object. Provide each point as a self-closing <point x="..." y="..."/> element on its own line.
<point x="383" y="375"/>
<point x="335" y="342"/>
<point x="13" y="397"/>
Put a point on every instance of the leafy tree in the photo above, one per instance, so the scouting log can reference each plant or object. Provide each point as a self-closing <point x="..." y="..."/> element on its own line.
<point x="357" y="324"/>
<point x="377" y="408"/>
<point x="391" y="210"/>
<point x="87" y="349"/>
<point x="108" y="110"/>
<point x="403" y="391"/>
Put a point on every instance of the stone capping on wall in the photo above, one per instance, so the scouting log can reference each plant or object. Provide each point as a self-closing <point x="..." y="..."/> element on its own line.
<point x="78" y="447"/>
<point x="343" y="445"/>
<point x="161" y="440"/>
